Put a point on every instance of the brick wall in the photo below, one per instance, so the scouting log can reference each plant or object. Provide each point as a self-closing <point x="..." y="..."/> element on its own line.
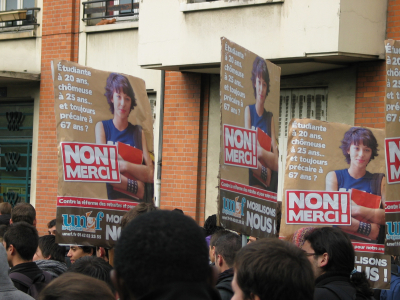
<point x="183" y="177"/>
<point x="370" y="91"/>
<point x="60" y="27"/>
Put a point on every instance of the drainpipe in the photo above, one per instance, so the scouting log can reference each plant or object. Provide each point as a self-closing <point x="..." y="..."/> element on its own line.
<point x="160" y="141"/>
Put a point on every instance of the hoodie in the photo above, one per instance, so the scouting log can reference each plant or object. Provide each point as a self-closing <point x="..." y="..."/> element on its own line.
<point x="7" y="289"/>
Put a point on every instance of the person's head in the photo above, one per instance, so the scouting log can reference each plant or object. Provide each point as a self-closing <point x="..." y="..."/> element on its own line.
<point x="94" y="267"/>
<point x="75" y="252"/>
<point x="260" y="79"/>
<point x="120" y="94"/>
<point x="226" y="248"/>
<point x="102" y="253"/>
<point x="298" y="237"/>
<point x="329" y="249"/>
<point x="210" y="225"/>
<point x="23" y="212"/>
<point x="3" y="229"/>
<point x="158" y="249"/>
<point x="178" y="210"/>
<point x="213" y="240"/>
<point x="20" y="242"/>
<point x="5" y="208"/>
<point x="139" y="209"/>
<point x="76" y="286"/>
<point x="49" y="249"/>
<point x="359" y="146"/>
<point x="52" y="227"/>
<point x="272" y="269"/>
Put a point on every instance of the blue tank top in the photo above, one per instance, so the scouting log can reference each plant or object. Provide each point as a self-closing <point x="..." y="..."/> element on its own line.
<point x="346" y="182"/>
<point x="132" y="136"/>
<point x="264" y="123"/>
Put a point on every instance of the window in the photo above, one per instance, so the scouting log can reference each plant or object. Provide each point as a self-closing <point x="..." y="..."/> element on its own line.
<point x="95" y="11"/>
<point x="310" y="103"/>
<point x="10" y="5"/>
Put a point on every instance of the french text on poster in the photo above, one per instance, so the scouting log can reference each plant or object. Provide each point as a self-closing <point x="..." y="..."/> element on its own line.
<point x="318" y="207"/>
<point x="240" y="147"/>
<point x="90" y="162"/>
<point x="392" y="148"/>
<point x="247" y="190"/>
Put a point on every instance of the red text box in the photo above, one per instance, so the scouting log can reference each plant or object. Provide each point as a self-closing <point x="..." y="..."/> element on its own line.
<point x="240" y="147"/>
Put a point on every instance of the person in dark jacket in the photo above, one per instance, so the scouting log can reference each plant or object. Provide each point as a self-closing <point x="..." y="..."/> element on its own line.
<point x="162" y="255"/>
<point x="332" y="257"/>
<point x="5" y="213"/>
<point x="226" y="248"/>
<point x="21" y="242"/>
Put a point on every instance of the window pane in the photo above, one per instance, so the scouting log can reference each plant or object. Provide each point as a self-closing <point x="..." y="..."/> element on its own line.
<point x="11" y="4"/>
<point x="28" y="4"/>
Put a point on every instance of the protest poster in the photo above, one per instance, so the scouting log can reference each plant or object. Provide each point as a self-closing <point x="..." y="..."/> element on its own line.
<point x="249" y="92"/>
<point x="105" y="146"/>
<point x="392" y="146"/>
<point x="335" y="176"/>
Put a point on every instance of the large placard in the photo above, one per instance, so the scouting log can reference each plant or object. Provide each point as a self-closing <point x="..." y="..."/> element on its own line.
<point x="105" y="141"/>
<point x="249" y="154"/>
<point x="335" y="176"/>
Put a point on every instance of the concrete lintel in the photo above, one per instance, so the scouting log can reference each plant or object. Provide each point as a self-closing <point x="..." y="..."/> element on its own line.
<point x="17" y="76"/>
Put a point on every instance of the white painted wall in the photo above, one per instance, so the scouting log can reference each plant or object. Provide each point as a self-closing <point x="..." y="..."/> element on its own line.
<point x="173" y="33"/>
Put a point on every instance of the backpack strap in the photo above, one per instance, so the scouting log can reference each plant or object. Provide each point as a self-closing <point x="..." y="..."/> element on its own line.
<point x="21" y="279"/>
<point x="376" y="183"/>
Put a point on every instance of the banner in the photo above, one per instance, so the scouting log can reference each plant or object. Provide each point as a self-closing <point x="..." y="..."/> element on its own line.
<point x="249" y="92"/>
<point x="392" y="145"/>
<point x="335" y="176"/>
<point x="105" y="146"/>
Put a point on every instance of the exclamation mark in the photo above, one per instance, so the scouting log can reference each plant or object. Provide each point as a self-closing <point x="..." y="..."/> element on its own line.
<point x="385" y="275"/>
<point x="343" y="204"/>
<point x="112" y="158"/>
<point x="254" y="150"/>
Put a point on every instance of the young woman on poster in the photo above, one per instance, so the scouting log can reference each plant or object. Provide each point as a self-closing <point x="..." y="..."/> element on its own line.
<point x="359" y="146"/>
<point x="121" y="99"/>
<point x="255" y="116"/>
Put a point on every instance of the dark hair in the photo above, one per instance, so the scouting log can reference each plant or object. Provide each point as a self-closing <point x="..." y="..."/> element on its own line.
<point x="50" y="248"/>
<point x="139" y="209"/>
<point x="23" y="212"/>
<point x="94" y="267"/>
<point x="210" y="225"/>
<point x="88" y="249"/>
<point x="5" y="208"/>
<point x="274" y="269"/>
<point x="76" y="286"/>
<point x="260" y="70"/>
<point x="227" y="246"/>
<point x="51" y="224"/>
<point x="217" y="235"/>
<point x="117" y="83"/>
<point x="355" y="136"/>
<point x="3" y="229"/>
<point x="159" y="248"/>
<point x="24" y="237"/>
<point x="178" y="210"/>
<point x="340" y="254"/>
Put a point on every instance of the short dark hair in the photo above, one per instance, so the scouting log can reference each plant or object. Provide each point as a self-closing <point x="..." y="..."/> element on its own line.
<point x="274" y="269"/>
<point x="3" y="229"/>
<point x="210" y="225"/>
<point x="357" y="135"/>
<point x="23" y="212"/>
<point x="227" y="246"/>
<point x="260" y="70"/>
<point x="170" y="243"/>
<point x="94" y="267"/>
<point x="24" y="237"/>
<point x="139" y="209"/>
<point x="76" y="286"/>
<point x="51" y="224"/>
<point x="217" y="235"/>
<point x="337" y="244"/>
<point x="5" y="208"/>
<point x="49" y="247"/>
<point x="88" y="249"/>
<point x="117" y="83"/>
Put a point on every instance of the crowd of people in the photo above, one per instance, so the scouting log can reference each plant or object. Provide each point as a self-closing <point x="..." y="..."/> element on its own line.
<point x="166" y="255"/>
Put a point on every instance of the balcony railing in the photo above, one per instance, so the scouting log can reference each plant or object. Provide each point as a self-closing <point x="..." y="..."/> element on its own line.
<point x="97" y="10"/>
<point x="19" y="18"/>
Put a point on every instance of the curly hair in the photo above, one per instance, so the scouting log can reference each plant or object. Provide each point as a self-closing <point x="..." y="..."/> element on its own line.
<point x="355" y="136"/>
<point x="117" y="83"/>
